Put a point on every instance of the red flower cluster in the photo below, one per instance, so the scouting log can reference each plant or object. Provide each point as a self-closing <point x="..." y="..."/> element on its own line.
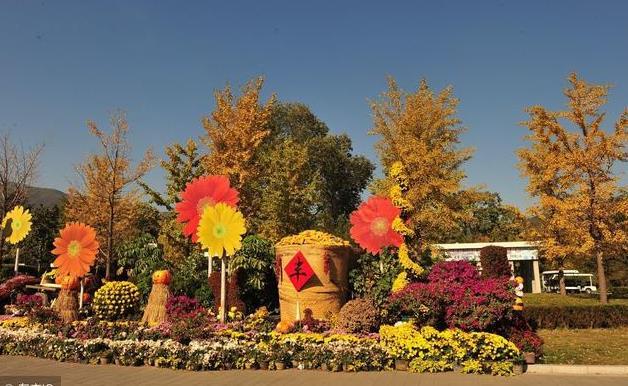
<point x="453" y="272"/>
<point x="481" y="305"/>
<point x="183" y="307"/>
<point x="455" y="296"/>
<point x="15" y="284"/>
<point x="527" y="341"/>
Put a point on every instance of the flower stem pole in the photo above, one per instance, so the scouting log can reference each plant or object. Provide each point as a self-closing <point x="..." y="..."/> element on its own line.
<point x="223" y="286"/>
<point x="210" y="263"/>
<point x="81" y="295"/>
<point x="17" y="259"/>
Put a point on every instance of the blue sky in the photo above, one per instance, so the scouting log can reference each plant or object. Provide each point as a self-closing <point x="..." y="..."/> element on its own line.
<point x="63" y="62"/>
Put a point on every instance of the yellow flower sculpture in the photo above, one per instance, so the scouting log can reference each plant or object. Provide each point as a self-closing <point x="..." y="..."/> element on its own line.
<point x="220" y="229"/>
<point x="20" y="224"/>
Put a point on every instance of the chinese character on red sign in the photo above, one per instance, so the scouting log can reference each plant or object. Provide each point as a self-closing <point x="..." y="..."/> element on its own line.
<point x="299" y="271"/>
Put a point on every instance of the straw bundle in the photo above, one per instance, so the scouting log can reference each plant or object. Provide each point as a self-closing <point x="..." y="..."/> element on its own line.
<point x="155" y="311"/>
<point x="66" y="305"/>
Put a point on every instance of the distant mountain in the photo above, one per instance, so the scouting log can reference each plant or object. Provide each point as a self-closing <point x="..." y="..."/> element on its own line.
<point x="44" y="196"/>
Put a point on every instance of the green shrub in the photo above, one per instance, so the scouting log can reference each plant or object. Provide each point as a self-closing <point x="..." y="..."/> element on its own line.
<point x="254" y="263"/>
<point x="189" y="277"/>
<point x="358" y="316"/>
<point x="372" y="276"/>
<point x="115" y="300"/>
<point x="138" y="258"/>
<point x="494" y="261"/>
<point x="589" y="316"/>
<point x="619" y="292"/>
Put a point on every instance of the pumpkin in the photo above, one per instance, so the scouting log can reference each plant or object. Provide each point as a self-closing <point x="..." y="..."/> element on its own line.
<point x="284" y="327"/>
<point x="67" y="281"/>
<point x="162" y="277"/>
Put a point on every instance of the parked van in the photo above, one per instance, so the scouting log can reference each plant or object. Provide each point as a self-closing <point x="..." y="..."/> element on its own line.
<point x="574" y="281"/>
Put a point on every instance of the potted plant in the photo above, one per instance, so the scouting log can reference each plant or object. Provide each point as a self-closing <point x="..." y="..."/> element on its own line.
<point x="347" y="359"/>
<point x="106" y="357"/>
<point x="312" y="358"/>
<point x="279" y="357"/>
<point x="250" y="359"/>
<point x="529" y="357"/>
<point x="529" y="343"/>
<point x="333" y="360"/>
<point x="262" y="358"/>
<point x="519" y="365"/>
<point x="228" y="359"/>
<point x="297" y="360"/>
<point x="250" y="364"/>
<point x="401" y="364"/>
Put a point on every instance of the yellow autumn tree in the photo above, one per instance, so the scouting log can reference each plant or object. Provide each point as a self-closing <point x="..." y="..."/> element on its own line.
<point x="234" y="132"/>
<point x="571" y="165"/>
<point x="422" y="132"/>
<point x="182" y="164"/>
<point x="104" y="198"/>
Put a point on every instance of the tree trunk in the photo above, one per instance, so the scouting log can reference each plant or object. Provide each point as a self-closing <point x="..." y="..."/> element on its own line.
<point x="561" y="282"/>
<point x="601" y="277"/>
<point x="4" y="213"/>
<point x="109" y="244"/>
<point x="1" y="246"/>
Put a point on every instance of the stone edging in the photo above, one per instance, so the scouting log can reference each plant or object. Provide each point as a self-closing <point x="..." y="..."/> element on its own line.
<point x="578" y="369"/>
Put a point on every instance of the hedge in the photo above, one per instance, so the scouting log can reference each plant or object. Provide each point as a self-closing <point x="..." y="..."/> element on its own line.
<point x="597" y="316"/>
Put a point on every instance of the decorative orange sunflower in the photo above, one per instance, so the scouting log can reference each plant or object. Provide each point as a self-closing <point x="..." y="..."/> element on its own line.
<point x="200" y="193"/>
<point x="371" y="225"/>
<point x="76" y="249"/>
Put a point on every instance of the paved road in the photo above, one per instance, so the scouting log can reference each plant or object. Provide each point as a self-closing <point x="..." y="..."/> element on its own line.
<point x="78" y="374"/>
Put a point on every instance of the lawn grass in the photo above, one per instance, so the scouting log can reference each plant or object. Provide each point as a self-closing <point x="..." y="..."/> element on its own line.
<point x="586" y="347"/>
<point x="547" y="299"/>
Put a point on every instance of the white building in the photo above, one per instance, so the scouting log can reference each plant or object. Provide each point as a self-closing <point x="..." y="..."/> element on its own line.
<point x="522" y="255"/>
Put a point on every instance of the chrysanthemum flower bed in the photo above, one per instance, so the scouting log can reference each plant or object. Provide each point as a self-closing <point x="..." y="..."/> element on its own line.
<point x="130" y="344"/>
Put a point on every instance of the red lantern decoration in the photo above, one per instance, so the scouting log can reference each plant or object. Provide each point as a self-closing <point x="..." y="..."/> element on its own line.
<point x="299" y="271"/>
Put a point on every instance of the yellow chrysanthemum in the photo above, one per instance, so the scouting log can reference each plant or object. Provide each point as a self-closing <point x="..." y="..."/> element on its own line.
<point x="397" y="171"/>
<point x="20" y="224"/>
<point x="400" y="282"/>
<point x="406" y="262"/>
<point x="395" y="191"/>
<point x="403" y="204"/>
<point x="399" y="226"/>
<point x="220" y="229"/>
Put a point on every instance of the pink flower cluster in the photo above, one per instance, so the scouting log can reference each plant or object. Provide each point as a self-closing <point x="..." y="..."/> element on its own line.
<point x="30" y="301"/>
<point x="15" y="284"/>
<point x="456" y="296"/>
<point x="183" y="307"/>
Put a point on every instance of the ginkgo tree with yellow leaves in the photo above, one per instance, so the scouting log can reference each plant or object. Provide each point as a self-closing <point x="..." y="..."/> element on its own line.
<point x="420" y="132"/>
<point x="571" y="167"/>
<point x="103" y="197"/>
<point x="234" y="132"/>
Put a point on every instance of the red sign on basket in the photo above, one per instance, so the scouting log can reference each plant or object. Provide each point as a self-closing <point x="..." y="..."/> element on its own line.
<point x="299" y="271"/>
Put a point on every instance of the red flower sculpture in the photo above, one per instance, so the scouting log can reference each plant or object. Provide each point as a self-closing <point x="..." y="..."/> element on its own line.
<point x="371" y="225"/>
<point x="199" y="193"/>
